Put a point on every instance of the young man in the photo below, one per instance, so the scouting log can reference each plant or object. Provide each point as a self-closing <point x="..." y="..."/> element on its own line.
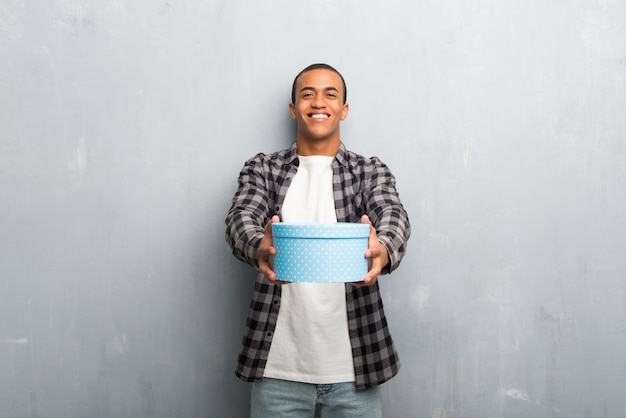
<point x="309" y="343"/>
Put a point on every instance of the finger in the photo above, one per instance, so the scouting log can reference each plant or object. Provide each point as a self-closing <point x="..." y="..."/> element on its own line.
<point x="367" y="281"/>
<point x="273" y="219"/>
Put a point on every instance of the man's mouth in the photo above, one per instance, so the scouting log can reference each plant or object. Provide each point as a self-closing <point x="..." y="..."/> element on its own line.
<point x="318" y="116"/>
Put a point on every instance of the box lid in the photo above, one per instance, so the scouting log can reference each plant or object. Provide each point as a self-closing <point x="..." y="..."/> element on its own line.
<point x="337" y="230"/>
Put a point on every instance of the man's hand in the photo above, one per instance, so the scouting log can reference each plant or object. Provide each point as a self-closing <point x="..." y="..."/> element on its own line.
<point x="376" y="254"/>
<point x="267" y="251"/>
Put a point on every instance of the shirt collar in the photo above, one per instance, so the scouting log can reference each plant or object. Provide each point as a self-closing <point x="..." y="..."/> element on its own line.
<point x="341" y="156"/>
<point x="292" y="154"/>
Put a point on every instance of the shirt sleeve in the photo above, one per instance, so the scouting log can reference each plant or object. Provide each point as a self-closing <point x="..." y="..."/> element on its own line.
<point x="387" y="214"/>
<point x="248" y="213"/>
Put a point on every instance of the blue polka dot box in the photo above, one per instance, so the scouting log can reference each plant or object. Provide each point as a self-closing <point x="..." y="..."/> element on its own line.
<point x="320" y="253"/>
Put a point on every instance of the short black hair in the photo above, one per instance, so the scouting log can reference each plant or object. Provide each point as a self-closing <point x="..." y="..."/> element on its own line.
<point x="318" y="67"/>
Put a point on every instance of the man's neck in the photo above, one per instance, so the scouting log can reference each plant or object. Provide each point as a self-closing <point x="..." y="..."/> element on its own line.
<point x="328" y="147"/>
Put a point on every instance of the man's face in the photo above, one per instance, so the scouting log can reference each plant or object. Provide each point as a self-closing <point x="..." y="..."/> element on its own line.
<point x="319" y="106"/>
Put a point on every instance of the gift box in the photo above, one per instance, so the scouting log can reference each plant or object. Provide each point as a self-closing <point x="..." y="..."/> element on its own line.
<point x="320" y="253"/>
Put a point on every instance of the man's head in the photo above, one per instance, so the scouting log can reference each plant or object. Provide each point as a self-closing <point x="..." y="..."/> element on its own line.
<point x="318" y="67"/>
<point x="318" y="106"/>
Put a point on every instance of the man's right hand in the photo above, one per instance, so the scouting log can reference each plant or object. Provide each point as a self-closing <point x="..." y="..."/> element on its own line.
<point x="267" y="251"/>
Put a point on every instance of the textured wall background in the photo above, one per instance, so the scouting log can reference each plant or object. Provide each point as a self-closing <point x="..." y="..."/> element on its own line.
<point x="123" y="126"/>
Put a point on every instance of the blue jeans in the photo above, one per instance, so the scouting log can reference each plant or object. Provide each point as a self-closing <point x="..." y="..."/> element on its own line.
<point x="273" y="398"/>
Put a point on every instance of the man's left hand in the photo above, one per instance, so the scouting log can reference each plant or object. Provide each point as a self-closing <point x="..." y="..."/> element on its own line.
<point x="376" y="254"/>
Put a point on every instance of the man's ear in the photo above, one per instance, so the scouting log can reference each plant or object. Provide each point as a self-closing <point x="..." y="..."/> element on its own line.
<point x="292" y="110"/>
<point x="344" y="112"/>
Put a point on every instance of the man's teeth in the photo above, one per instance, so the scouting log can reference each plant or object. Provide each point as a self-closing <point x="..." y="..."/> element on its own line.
<point x="319" y="116"/>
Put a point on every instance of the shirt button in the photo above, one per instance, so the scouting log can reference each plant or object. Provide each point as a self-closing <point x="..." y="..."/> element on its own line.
<point x="269" y="334"/>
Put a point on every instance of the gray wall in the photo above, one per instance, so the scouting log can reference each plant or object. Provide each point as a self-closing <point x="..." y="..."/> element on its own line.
<point x="123" y="126"/>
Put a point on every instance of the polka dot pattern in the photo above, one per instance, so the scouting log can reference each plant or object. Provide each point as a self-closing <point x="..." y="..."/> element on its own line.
<point x="320" y="253"/>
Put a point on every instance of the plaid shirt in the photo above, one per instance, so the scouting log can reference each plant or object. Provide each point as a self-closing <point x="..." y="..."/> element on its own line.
<point x="360" y="186"/>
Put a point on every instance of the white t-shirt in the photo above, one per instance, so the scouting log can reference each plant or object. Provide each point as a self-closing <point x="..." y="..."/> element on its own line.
<point x="311" y="342"/>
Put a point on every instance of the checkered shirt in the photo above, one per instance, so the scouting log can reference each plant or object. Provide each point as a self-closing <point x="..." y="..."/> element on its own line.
<point x="360" y="186"/>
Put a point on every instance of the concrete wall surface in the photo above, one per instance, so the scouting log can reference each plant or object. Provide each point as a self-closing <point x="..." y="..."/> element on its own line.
<point x="123" y="127"/>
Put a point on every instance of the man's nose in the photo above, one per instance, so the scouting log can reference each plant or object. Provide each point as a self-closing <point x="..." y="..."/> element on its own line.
<point x="318" y="101"/>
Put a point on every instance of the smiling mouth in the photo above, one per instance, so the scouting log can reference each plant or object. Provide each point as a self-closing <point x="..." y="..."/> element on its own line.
<point x="318" y="116"/>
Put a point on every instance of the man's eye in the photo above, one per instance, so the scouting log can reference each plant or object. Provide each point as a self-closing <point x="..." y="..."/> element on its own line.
<point x="331" y="95"/>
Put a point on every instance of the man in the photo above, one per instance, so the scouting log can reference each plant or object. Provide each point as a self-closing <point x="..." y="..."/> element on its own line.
<point x="309" y="343"/>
